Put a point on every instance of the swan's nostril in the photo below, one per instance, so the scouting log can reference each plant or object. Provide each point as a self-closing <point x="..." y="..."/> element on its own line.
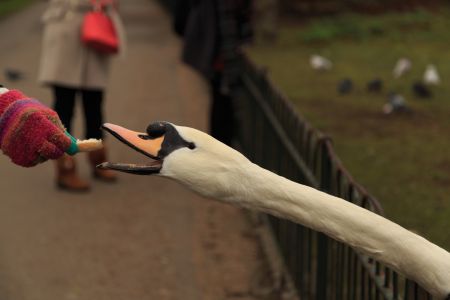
<point x="144" y="137"/>
<point x="156" y="129"/>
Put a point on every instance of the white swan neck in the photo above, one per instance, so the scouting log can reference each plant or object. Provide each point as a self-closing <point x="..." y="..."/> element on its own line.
<point x="404" y="251"/>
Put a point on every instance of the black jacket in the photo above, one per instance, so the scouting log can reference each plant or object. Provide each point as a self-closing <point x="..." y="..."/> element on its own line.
<point x="211" y="30"/>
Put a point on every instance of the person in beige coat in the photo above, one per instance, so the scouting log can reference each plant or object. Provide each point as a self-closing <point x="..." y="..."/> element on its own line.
<point x="70" y="68"/>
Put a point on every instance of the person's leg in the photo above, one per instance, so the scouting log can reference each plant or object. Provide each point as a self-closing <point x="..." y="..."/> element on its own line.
<point x="66" y="171"/>
<point x="64" y="102"/>
<point x="93" y="113"/>
<point x="221" y="115"/>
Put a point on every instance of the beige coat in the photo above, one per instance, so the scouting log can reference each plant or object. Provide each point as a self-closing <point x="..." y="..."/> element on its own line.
<point x="65" y="60"/>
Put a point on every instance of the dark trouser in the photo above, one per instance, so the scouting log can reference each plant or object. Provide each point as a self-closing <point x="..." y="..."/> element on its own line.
<point x="221" y="115"/>
<point x="92" y="108"/>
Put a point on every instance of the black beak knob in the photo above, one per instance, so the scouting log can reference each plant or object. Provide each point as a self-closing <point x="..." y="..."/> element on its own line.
<point x="156" y="129"/>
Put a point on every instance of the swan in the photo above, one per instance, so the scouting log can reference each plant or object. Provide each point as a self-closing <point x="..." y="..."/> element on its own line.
<point x="212" y="169"/>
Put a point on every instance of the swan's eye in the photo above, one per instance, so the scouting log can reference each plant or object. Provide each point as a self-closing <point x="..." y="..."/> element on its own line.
<point x="191" y="146"/>
<point x="156" y="130"/>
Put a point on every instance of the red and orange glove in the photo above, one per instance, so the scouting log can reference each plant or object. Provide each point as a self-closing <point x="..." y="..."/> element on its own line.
<point x="31" y="133"/>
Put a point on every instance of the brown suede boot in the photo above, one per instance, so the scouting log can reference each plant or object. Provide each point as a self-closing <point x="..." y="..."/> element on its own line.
<point x="97" y="157"/>
<point x="67" y="177"/>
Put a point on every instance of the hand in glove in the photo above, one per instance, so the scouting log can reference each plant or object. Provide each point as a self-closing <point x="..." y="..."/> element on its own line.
<point x="31" y="133"/>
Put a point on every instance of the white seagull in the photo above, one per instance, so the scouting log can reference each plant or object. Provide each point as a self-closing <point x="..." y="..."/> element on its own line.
<point x="402" y="66"/>
<point x="431" y="76"/>
<point x="320" y="63"/>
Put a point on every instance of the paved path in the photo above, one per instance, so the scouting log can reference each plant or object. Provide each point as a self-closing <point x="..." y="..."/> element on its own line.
<point x="144" y="238"/>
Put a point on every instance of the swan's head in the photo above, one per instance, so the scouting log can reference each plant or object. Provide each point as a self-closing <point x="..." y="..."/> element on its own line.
<point x="184" y="154"/>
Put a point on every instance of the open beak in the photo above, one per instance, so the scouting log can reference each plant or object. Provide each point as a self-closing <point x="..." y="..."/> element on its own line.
<point x="140" y="142"/>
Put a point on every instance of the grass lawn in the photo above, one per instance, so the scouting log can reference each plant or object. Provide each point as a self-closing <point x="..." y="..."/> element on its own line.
<point x="403" y="160"/>
<point x="10" y="6"/>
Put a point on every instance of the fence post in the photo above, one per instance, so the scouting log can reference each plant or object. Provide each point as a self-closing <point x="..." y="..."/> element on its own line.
<point x="322" y="240"/>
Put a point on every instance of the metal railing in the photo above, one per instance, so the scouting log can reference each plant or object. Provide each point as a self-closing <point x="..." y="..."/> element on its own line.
<point x="272" y="134"/>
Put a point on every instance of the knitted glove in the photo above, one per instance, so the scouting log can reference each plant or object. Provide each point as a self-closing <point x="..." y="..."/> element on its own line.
<point x="31" y="133"/>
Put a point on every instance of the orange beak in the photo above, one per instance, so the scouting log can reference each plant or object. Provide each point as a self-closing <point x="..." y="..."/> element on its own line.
<point x="140" y="142"/>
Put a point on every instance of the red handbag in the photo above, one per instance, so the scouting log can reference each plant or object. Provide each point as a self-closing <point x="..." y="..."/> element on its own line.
<point x="98" y="31"/>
